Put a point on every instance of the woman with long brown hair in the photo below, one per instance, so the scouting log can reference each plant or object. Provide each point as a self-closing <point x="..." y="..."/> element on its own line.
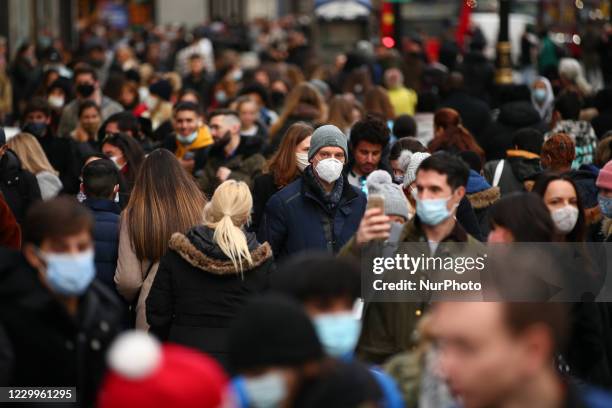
<point x="283" y="168"/>
<point x="341" y="114"/>
<point x="165" y="200"/>
<point x="377" y="101"/>
<point x="303" y="104"/>
<point x="450" y="134"/>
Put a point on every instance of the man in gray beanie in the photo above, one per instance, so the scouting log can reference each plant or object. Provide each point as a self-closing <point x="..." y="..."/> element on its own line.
<point x="320" y="210"/>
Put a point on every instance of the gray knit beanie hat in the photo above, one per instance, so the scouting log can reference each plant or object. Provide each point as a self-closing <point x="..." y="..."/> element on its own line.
<point x="379" y="182"/>
<point x="410" y="162"/>
<point x="327" y="135"/>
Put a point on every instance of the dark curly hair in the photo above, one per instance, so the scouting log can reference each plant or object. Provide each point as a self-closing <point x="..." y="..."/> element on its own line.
<point x="372" y="130"/>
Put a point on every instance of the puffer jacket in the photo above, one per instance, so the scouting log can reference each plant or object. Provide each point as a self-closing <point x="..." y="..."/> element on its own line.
<point x="197" y="290"/>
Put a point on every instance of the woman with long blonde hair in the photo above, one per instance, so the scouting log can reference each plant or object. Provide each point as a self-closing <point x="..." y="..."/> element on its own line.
<point x="165" y="200"/>
<point x="208" y="274"/>
<point x="34" y="160"/>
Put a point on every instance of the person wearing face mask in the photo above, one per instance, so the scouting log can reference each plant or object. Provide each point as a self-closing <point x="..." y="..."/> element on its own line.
<point x="48" y="294"/>
<point x="231" y="156"/>
<point x="62" y="152"/>
<point x="86" y="133"/>
<point x="589" y="351"/>
<point x="321" y="210"/>
<point x="543" y="98"/>
<point x="283" y="168"/>
<point x="128" y="156"/>
<point x="274" y="351"/>
<point x="604" y="198"/>
<point x="191" y="140"/>
<point x="87" y="87"/>
<point x="328" y="288"/>
<point x="440" y="185"/>
<point x="58" y="95"/>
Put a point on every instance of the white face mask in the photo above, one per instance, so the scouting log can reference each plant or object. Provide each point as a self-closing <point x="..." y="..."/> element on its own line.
<point x="56" y="101"/>
<point x="329" y="170"/>
<point x="266" y="391"/>
<point x="151" y="102"/>
<point x="302" y="160"/>
<point x="565" y="218"/>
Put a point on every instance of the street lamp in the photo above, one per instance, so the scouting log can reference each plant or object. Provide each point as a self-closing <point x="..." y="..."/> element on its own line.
<point x="503" y="74"/>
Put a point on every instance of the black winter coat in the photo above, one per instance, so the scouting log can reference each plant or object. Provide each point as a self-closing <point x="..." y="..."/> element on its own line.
<point x="475" y="114"/>
<point x="106" y="237"/>
<point x="65" y="157"/>
<point x="497" y="138"/>
<point x="197" y="291"/>
<point x="48" y="347"/>
<point x="19" y="186"/>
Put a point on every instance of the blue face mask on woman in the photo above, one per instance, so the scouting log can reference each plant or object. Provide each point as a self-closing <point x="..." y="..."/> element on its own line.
<point x="68" y="274"/>
<point x="605" y="205"/>
<point x="187" y="140"/>
<point x="338" y="333"/>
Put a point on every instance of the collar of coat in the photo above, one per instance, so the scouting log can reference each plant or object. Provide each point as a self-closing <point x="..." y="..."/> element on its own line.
<point x="186" y="250"/>
<point x="484" y="198"/>
<point x="521" y="153"/>
<point x="413" y="232"/>
<point x="311" y="189"/>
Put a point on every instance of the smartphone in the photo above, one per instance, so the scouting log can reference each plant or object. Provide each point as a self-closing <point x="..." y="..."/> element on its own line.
<point x="188" y="156"/>
<point x="376" y="201"/>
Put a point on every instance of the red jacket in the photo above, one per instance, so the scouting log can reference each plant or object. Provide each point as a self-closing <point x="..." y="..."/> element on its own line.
<point x="10" y="233"/>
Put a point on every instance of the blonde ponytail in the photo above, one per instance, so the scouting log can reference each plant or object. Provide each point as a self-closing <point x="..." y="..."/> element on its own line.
<point x="226" y="213"/>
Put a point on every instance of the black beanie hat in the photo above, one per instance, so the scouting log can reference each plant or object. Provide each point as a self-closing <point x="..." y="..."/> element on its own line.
<point x="161" y="88"/>
<point x="272" y="330"/>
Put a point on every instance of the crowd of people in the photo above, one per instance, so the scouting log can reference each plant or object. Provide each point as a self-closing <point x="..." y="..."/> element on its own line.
<point x="182" y="219"/>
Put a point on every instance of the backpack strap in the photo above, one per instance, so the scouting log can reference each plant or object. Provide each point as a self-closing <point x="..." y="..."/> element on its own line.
<point x="498" y="172"/>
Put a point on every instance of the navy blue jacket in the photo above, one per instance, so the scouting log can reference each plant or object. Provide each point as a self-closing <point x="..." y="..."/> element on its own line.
<point x="293" y="219"/>
<point x="106" y="237"/>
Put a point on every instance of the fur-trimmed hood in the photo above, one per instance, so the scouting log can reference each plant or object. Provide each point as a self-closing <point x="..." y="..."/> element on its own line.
<point x="199" y="250"/>
<point x="484" y="198"/>
<point x="606" y="227"/>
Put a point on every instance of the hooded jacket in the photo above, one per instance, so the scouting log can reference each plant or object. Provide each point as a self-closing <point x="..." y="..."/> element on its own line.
<point x="197" y="290"/>
<point x="199" y="147"/>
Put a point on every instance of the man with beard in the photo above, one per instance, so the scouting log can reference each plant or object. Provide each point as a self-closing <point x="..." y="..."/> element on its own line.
<point x="231" y="156"/>
<point x="87" y="88"/>
<point x="61" y="152"/>
<point x="369" y="137"/>
<point x="191" y="139"/>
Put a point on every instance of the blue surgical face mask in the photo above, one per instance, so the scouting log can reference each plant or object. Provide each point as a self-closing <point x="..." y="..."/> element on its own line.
<point x="398" y="179"/>
<point x="68" y="274"/>
<point x="266" y="391"/>
<point x="605" y="205"/>
<point x="338" y="333"/>
<point x="539" y="94"/>
<point x="432" y="211"/>
<point x="187" y="140"/>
